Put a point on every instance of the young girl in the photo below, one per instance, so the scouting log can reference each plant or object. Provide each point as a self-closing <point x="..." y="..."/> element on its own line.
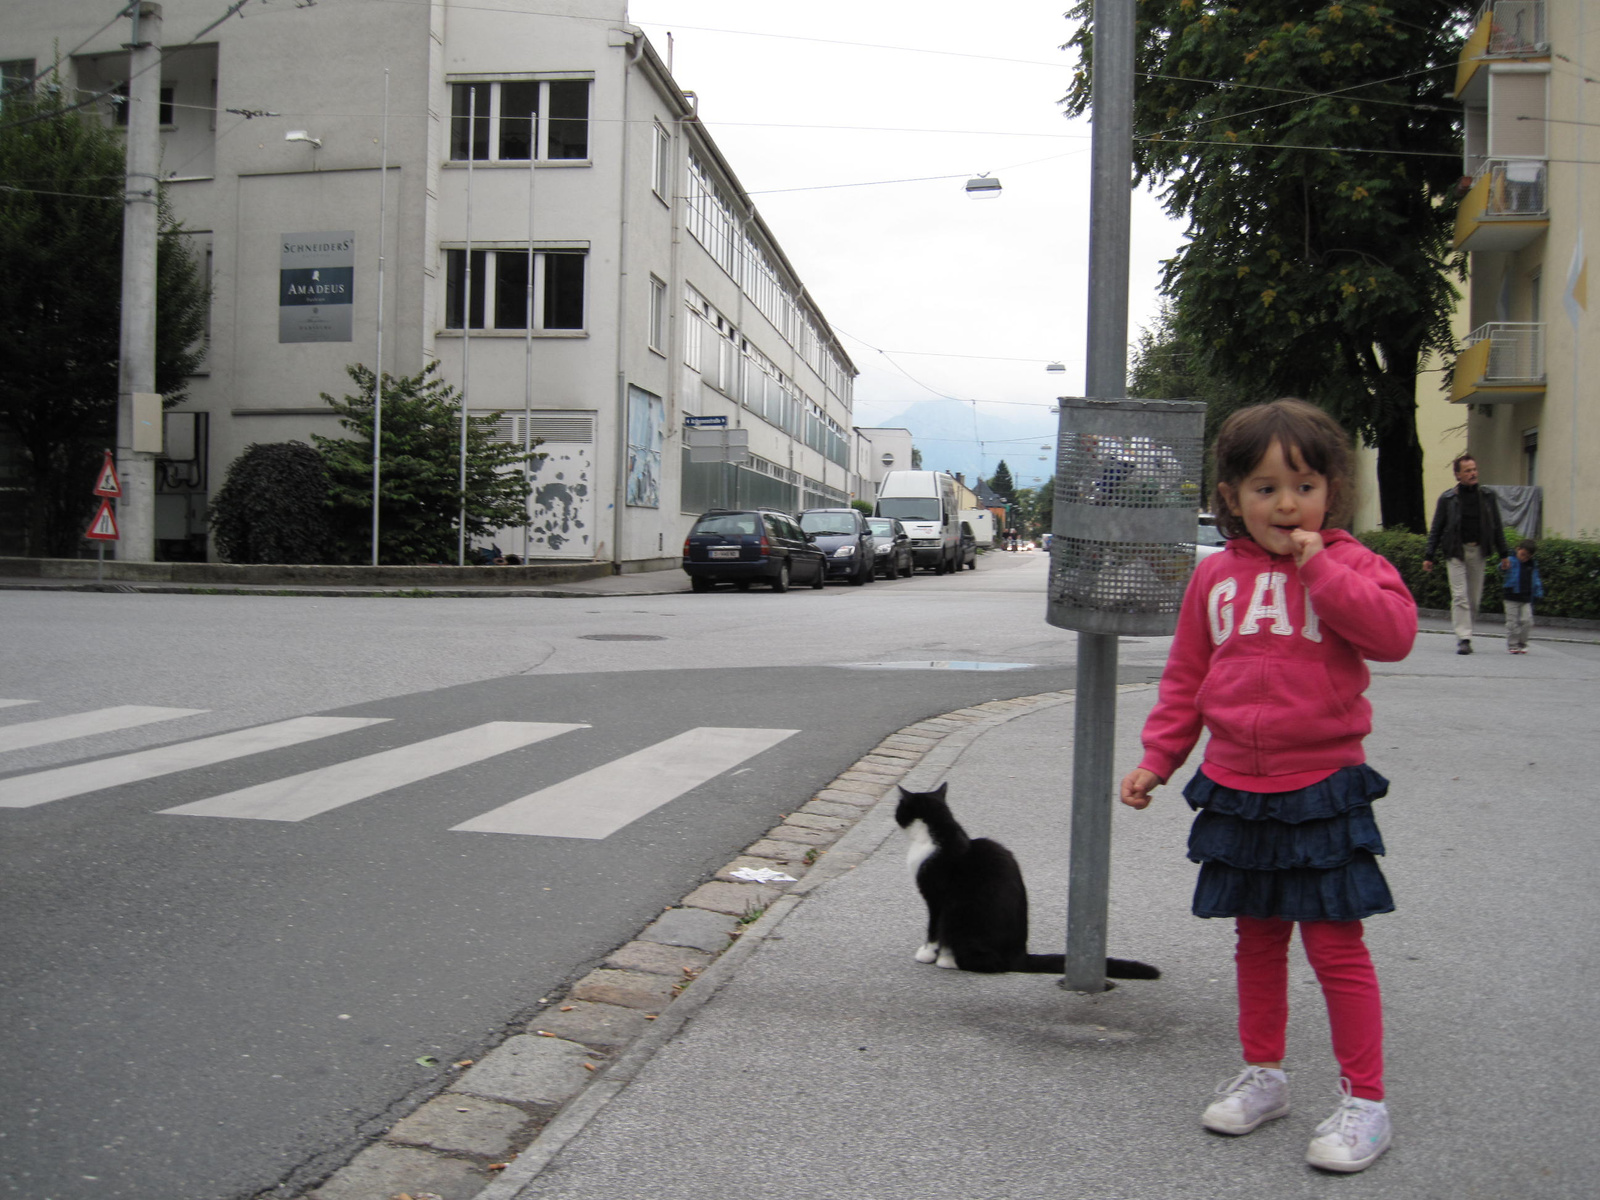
<point x="1268" y="656"/>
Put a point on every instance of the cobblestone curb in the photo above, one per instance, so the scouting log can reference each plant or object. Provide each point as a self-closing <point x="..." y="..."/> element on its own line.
<point x="508" y="1114"/>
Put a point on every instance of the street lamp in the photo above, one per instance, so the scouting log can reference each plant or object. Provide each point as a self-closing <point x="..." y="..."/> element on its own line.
<point x="983" y="187"/>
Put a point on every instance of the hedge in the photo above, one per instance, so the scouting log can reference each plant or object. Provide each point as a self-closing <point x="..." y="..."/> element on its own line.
<point x="1568" y="568"/>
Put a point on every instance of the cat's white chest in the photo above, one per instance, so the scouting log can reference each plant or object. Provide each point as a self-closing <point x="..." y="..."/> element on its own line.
<point x="920" y="847"/>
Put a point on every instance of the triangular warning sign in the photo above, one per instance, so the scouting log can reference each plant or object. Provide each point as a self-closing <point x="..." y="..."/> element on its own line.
<point x="106" y="484"/>
<point x="104" y="526"/>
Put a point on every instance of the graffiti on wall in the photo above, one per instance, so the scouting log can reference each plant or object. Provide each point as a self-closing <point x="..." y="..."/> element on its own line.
<point x="562" y="503"/>
<point x="646" y="422"/>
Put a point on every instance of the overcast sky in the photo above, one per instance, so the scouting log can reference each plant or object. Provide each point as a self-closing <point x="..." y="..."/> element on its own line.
<point x="933" y="292"/>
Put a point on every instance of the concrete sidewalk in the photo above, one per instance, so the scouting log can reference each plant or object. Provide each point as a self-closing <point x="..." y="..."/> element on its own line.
<point x="819" y="1060"/>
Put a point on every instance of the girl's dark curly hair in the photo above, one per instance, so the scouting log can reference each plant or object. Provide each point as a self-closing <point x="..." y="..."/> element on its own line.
<point x="1307" y="434"/>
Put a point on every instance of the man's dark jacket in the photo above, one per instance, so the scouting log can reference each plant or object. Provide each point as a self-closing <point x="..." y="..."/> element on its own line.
<point x="1444" y="536"/>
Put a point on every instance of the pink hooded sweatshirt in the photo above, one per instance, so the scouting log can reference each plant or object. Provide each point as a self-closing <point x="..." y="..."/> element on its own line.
<point x="1270" y="659"/>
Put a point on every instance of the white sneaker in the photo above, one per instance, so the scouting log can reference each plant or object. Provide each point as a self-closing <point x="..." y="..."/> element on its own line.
<point x="1353" y="1138"/>
<point x="1256" y="1095"/>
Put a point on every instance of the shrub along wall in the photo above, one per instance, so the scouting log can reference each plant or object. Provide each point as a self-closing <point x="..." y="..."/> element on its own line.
<point x="1568" y="568"/>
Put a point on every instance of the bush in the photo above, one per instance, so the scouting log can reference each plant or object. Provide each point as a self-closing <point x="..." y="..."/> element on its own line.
<point x="272" y="508"/>
<point x="1569" y="568"/>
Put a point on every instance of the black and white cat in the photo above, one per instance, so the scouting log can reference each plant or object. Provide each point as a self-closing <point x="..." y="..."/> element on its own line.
<point x="977" y="903"/>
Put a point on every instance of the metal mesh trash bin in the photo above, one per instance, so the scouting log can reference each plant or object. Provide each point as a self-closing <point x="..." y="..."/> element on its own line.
<point x="1128" y="483"/>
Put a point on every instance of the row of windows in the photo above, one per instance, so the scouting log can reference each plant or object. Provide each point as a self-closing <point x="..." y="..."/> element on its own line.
<point x="712" y="222"/>
<point x="729" y="363"/>
<point x="499" y="121"/>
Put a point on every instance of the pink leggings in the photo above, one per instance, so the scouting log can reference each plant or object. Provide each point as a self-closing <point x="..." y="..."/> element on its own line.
<point x="1349" y="986"/>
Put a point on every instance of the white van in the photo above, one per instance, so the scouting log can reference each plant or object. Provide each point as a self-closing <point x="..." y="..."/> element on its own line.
<point x="982" y="522"/>
<point x="925" y="503"/>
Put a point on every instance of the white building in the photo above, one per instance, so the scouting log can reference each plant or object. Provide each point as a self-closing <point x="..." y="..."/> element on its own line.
<point x="879" y="450"/>
<point x="554" y="137"/>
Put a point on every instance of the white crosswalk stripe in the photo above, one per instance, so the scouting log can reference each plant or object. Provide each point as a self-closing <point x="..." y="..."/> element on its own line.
<point x="597" y="803"/>
<point x="101" y="720"/>
<point x="41" y="787"/>
<point x="312" y="792"/>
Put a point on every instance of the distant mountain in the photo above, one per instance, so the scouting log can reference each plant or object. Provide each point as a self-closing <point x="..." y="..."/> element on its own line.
<point x="952" y="439"/>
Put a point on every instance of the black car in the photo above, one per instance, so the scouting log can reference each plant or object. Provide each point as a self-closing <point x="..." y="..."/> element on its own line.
<point x="894" y="547"/>
<point x="745" y="545"/>
<point x="968" y="557"/>
<point x="843" y="535"/>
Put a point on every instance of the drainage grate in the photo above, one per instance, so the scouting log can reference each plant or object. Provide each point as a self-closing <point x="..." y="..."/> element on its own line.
<point x="620" y="637"/>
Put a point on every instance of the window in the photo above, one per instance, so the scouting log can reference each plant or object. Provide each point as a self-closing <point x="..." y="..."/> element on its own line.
<point x="16" y="78"/>
<point x="658" y="315"/>
<point x="661" y="165"/>
<point x="499" y="288"/>
<point x="499" y="122"/>
<point x="119" y="107"/>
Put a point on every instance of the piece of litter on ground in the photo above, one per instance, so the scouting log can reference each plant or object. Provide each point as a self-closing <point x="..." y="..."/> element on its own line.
<point x="761" y="875"/>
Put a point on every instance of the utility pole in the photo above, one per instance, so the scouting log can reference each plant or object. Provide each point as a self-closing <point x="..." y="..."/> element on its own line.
<point x="138" y="407"/>
<point x="1094" y="731"/>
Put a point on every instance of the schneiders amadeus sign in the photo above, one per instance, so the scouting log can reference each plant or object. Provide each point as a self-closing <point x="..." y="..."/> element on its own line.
<point x="316" y="286"/>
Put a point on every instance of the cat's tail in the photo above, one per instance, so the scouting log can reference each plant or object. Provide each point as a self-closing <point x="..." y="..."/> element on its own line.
<point x="1116" y="968"/>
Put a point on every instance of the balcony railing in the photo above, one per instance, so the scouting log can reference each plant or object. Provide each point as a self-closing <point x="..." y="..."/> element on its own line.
<point x="1502" y="29"/>
<point x="1516" y="350"/>
<point x="1505" y="208"/>
<point x="1501" y="361"/>
<point x="1516" y="188"/>
<point x="1516" y="26"/>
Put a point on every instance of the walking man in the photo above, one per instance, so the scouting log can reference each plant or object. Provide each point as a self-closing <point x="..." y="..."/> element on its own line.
<point x="1466" y="520"/>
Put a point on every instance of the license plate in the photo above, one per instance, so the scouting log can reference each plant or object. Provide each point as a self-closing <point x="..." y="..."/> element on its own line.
<point x="725" y="552"/>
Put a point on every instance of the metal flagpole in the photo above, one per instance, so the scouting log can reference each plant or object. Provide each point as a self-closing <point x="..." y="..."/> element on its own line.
<point x="377" y="375"/>
<point x="466" y="325"/>
<point x="533" y="259"/>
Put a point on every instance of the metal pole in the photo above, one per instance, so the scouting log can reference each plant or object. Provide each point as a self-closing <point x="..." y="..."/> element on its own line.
<point x="377" y="375"/>
<point x="1094" y="721"/>
<point x="527" y="384"/>
<point x="137" y="370"/>
<point x="466" y="325"/>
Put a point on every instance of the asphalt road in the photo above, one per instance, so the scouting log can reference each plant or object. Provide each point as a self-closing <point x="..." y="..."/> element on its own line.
<point x="228" y="1002"/>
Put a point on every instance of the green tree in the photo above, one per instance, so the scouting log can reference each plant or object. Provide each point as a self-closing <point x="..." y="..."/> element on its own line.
<point x="420" y="471"/>
<point x="1002" y="484"/>
<point x="60" y="300"/>
<point x="1035" y="509"/>
<point x="1314" y="151"/>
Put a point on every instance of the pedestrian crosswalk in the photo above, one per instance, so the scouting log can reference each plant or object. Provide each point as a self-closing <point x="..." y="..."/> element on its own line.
<point x="590" y="805"/>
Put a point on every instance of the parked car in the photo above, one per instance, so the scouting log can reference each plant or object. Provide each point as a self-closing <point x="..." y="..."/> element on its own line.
<point x="844" y="536"/>
<point x="893" y="547"/>
<point x="968" y="557"/>
<point x="1208" y="539"/>
<point x="746" y="545"/>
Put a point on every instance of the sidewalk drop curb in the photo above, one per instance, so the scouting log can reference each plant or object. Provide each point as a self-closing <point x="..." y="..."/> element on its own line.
<point x="853" y="848"/>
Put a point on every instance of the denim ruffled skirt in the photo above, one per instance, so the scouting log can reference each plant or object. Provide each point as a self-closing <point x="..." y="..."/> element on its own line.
<point x="1306" y="855"/>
